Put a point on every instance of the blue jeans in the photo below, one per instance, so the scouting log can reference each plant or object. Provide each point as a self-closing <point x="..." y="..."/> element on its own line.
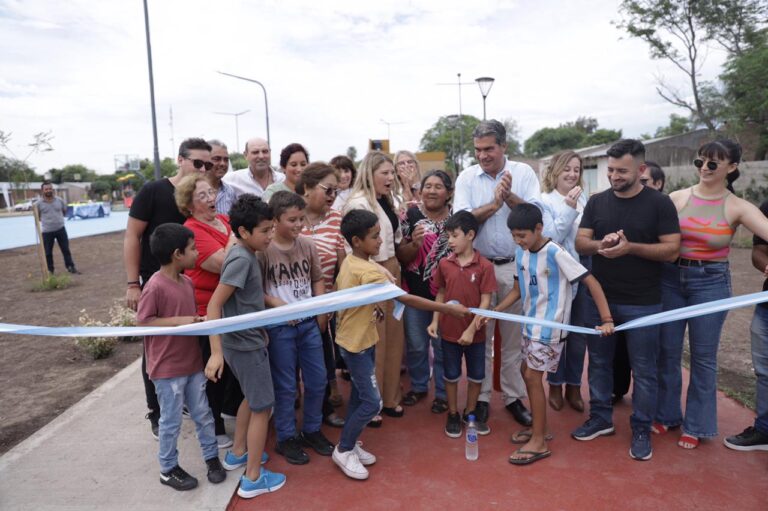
<point x="415" y="322"/>
<point x="643" y="346"/>
<point x="289" y="346"/>
<point x="571" y="365"/>
<point x="173" y="394"/>
<point x="681" y="287"/>
<point x="365" y="400"/>
<point x="760" y="362"/>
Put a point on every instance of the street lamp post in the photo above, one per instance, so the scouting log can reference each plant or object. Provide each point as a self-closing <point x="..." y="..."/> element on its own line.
<point x="152" y="93"/>
<point x="237" y="126"/>
<point x="485" y="83"/>
<point x="266" y="104"/>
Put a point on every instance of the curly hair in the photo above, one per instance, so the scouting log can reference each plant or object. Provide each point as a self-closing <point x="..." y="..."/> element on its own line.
<point x="184" y="192"/>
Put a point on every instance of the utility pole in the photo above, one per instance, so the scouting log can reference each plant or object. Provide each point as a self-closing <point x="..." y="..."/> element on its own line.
<point x="460" y="124"/>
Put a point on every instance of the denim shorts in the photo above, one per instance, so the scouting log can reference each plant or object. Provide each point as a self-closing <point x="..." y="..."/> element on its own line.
<point x="474" y="356"/>
<point x="251" y="368"/>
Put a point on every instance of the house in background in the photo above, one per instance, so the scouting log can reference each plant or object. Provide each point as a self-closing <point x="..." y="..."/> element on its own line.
<point x="12" y="194"/>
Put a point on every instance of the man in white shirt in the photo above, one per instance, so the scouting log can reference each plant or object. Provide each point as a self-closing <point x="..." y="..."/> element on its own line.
<point x="489" y="189"/>
<point x="259" y="174"/>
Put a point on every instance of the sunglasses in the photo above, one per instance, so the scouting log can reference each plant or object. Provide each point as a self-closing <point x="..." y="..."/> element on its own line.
<point x="198" y="164"/>
<point x="329" y="190"/>
<point x="711" y="165"/>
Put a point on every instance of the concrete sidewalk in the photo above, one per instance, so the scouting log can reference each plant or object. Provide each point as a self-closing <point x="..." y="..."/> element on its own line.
<point x="100" y="454"/>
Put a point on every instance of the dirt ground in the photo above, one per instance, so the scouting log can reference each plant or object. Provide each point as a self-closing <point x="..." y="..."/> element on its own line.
<point x="43" y="376"/>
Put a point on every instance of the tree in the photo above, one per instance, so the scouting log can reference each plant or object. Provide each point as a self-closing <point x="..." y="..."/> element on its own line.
<point x="72" y="173"/>
<point x="677" y="126"/>
<point x="602" y="136"/>
<point x="550" y="140"/>
<point x="237" y="160"/>
<point x="514" y="148"/>
<point x="167" y="168"/>
<point x="679" y="30"/>
<point x="746" y="93"/>
<point x="453" y="136"/>
<point x="352" y="153"/>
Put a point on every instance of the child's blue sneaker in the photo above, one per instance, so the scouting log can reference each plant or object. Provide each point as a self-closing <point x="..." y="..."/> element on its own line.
<point x="267" y="482"/>
<point x="232" y="462"/>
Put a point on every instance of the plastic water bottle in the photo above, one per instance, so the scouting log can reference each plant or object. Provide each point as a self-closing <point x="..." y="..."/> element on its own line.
<point x="471" y="449"/>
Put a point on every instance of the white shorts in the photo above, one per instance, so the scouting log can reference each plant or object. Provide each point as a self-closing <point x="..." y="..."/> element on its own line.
<point x="540" y="356"/>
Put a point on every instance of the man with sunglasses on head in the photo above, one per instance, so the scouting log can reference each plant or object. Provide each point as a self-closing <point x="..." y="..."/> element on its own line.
<point x="155" y="205"/>
<point x="259" y="174"/>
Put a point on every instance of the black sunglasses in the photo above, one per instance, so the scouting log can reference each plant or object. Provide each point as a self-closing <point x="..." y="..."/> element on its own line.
<point x="711" y="165"/>
<point x="329" y="190"/>
<point x="198" y="164"/>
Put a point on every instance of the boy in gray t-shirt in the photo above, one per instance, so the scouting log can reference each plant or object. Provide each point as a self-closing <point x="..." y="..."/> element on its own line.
<point x="241" y="291"/>
<point x="52" y="210"/>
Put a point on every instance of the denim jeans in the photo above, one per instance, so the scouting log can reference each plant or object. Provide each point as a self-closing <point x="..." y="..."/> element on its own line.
<point x="173" y="394"/>
<point x="290" y="345"/>
<point x="417" y="340"/>
<point x="643" y="345"/>
<point x="571" y="365"/>
<point x="365" y="400"/>
<point x="760" y="362"/>
<point x="681" y="287"/>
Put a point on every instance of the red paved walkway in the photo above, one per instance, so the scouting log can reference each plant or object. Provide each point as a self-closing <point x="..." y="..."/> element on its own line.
<point x="419" y="468"/>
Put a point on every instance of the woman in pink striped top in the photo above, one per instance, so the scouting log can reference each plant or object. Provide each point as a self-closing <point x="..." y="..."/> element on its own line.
<point x="709" y="214"/>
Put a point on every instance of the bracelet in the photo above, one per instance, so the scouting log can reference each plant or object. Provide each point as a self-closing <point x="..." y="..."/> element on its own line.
<point x="134" y="283"/>
<point x="606" y="320"/>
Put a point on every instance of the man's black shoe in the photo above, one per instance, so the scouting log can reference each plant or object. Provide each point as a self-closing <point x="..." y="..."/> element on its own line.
<point x="73" y="270"/>
<point x="154" y="422"/>
<point x="482" y="411"/>
<point x="292" y="451"/>
<point x="318" y="442"/>
<point x="216" y="472"/>
<point x="519" y="412"/>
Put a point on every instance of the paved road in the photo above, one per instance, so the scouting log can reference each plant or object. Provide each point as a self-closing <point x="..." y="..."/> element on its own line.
<point x="19" y="231"/>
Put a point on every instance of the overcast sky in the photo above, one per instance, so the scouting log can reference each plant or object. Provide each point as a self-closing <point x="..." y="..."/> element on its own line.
<point x="333" y="70"/>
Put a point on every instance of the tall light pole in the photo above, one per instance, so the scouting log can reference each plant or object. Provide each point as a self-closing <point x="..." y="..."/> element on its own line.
<point x="266" y="104"/>
<point x="459" y="83"/>
<point x="485" y="83"/>
<point x="388" y="128"/>
<point x="237" y="126"/>
<point x="152" y="92"/>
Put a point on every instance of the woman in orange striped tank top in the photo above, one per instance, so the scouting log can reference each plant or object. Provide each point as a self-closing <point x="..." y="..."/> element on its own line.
<point x="709" y="214"/>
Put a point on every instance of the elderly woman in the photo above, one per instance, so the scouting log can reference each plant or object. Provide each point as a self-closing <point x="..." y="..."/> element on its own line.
<point x="425" y="243"/>
<point x="319" y="185"/>
<point x="347" y="172"/>
<point x="408" y="177"/>
<point x="196" y="200"/>
<point x="225" y="194"/>
<point x="293" y="159"/>
<point x="563" y="197"/>
<point x="374" y="191"/>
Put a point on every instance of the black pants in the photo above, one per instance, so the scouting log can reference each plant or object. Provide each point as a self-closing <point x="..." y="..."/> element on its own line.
<point x="216" y="392"/>
<point x="149" y="387"/>
<point x="330" y="365"/>
<point x="61" y="237"/>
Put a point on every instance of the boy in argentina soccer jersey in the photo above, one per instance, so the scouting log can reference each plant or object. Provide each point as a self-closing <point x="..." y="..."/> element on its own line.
<point x="545" y="274"/>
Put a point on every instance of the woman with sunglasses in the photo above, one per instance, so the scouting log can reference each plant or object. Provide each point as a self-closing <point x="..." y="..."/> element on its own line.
<point x="709" y="214"/>
<point x="293" y="159"/>
<point x="319" y="185"/>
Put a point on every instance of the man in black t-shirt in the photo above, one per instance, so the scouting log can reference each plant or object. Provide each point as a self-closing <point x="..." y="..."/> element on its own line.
<point x="154" y="205"/>
<point x="755" y="438"/>
<point x="629" y="230"/>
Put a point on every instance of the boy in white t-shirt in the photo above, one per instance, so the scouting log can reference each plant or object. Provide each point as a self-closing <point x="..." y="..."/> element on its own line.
<point x="545" y="274"/>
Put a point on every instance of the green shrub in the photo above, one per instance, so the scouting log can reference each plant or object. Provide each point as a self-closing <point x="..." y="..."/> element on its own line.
<point x="53" y="282"/>
<point x="97" y="347"/>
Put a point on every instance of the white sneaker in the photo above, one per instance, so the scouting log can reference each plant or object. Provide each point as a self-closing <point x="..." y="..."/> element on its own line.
<point x="224" y="441"/>
<point x="365" y="457"/>
<point x="349" y="463"/>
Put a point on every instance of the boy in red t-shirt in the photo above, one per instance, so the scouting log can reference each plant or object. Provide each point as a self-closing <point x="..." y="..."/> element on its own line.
<point x="467" y="277"/>
<point x="175" y="363"/>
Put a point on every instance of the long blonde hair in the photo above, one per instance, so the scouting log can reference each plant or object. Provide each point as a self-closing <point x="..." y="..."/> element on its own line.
<point x="363" y="184"/>
<point x="555" y="168"/>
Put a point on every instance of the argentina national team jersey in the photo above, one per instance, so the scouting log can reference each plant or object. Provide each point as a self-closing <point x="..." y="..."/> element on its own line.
<point x="545" y="279"/>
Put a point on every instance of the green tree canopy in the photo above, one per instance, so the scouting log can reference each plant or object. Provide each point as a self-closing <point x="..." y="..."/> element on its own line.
<point x="72" y="173"/>
<point x="237" y="160"/>
<point x="167" y="168"/>
<point x="678" y="125"/>
<point x="16" y="171"/>
<point x="583" y="132"/>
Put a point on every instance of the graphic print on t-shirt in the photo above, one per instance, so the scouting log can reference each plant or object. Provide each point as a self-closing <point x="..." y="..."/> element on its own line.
<point x="289" y="274"/>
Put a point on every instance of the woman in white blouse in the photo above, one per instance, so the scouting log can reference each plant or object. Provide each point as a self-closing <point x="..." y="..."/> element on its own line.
<point x="562" y="196"/>
<point x="373" y="190"/>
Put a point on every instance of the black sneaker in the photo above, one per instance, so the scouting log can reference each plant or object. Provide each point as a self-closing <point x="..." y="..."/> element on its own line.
<point x="154" y="422"/>
<point x="73" y="270"/>
<point x="318" y="442"/>
<point x="748" y="440"/>
<point x="216" y="472"/>
<point x="178" y="479"/>
<point x="481" y="427"/>
<point x="292" y="451"/>
<point x="481" y="411"/>
<point x="453" y="425"/>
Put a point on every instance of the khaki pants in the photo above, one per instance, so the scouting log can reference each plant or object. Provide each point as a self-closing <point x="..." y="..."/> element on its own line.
<point x="389" y="350"/>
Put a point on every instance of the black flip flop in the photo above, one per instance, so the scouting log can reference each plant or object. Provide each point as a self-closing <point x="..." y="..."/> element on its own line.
<point x="536" y="456"/>
<point x="524" y="435"/>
